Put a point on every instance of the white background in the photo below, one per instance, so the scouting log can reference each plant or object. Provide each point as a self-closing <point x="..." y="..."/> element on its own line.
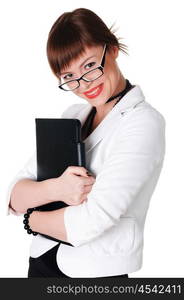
<point x="152" y="30"/>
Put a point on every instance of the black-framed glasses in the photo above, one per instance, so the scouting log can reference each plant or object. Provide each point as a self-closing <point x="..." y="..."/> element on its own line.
<point x="88" y="76"/>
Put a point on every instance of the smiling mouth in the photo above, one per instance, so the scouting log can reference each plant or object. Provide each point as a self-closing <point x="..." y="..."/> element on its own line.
<point x="94" y="92"/>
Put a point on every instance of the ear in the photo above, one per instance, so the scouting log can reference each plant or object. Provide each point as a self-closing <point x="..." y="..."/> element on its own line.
<point x="114" y="51"/>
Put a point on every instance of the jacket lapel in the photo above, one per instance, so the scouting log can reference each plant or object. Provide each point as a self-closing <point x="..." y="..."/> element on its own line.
<point x="107" y="125"/>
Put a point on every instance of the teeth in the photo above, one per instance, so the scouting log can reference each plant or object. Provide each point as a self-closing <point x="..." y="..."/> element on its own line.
<point x="94" y="92"/>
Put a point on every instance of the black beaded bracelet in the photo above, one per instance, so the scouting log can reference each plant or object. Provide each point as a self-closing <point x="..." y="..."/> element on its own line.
<point x="26" y="221"/>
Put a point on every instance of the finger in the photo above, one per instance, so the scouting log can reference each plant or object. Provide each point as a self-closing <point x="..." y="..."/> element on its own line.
<point x="88" y="188"/>
<point x="78" y="170"/>
<point x="84" y="197"/>
<point x="88" y="181"/>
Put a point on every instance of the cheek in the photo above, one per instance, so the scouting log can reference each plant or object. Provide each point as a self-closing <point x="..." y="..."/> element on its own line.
<point x="79" y="94"/>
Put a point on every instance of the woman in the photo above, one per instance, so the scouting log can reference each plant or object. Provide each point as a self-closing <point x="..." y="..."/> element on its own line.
<point x="125" y="145"/>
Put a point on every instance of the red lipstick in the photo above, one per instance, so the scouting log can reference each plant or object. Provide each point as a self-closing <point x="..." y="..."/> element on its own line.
<point x="94" y="92"/>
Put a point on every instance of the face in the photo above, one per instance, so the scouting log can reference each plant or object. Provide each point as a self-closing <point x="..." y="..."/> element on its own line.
<point x="98" y="91"/>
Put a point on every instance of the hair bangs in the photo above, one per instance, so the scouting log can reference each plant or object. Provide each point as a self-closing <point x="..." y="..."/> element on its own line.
<point x="66" y="46"/>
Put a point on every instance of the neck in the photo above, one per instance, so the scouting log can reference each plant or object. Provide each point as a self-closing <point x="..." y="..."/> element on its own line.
<point x="102" y="110"/>
<point x="120" y="86"/>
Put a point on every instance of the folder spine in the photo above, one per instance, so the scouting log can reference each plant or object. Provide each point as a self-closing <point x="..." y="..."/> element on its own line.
<point x="81" y="154"/>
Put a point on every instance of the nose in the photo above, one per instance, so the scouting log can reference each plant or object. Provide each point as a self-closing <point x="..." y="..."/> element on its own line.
<point x="84" y="86"/>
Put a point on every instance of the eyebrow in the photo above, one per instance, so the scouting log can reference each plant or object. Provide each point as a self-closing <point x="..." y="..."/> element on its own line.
<point x="80" y="65"/>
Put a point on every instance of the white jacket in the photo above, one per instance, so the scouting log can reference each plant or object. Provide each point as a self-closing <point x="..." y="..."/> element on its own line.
<point x="125" y="153"/>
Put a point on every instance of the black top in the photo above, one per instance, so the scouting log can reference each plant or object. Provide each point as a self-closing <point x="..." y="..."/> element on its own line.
<point x="86" y="128"/>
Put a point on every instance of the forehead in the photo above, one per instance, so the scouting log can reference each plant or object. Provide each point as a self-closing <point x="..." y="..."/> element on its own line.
<point x="89" y="52"/>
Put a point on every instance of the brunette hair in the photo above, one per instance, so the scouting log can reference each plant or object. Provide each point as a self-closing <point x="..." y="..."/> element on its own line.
<point x="72" y="32"/>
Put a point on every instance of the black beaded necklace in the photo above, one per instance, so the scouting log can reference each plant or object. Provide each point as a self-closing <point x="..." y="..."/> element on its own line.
<point x="88" y="123"/>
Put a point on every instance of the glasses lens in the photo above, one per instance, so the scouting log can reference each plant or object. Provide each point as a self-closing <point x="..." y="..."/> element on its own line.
<point x="93" y="74"/>
<point x="89" y="76"/>
<point x="70" y="85"/>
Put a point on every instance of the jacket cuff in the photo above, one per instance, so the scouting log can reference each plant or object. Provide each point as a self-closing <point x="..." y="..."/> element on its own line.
<point x="75" y="225"/>
<point x="9" y="209"/>
<point x="83" y="224"/>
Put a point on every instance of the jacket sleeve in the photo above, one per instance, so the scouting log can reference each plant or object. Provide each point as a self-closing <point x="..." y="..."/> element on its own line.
<point x="27" y="172"/>
<point x="138" y="150"/>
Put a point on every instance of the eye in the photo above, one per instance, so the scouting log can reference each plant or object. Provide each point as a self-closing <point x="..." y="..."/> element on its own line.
<point x="90" y="65"/>
<point x="67" y="76"/>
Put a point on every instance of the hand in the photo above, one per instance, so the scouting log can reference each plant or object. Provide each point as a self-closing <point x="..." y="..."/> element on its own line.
<point x="73" y="186"/>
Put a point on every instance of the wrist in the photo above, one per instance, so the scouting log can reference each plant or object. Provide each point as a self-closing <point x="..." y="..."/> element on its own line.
<point x="33" y="220"/>
<point x="49" y="186"/>
<point x="28" y="223"/>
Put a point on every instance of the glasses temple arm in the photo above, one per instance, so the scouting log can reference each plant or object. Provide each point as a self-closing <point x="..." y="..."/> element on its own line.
<point x="103" y="59"/>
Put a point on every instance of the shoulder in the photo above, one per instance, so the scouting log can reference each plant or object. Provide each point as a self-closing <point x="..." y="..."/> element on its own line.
<point x="142" y="129"/>
<point x="144" y="116"/>
<point x="154" y="114"/>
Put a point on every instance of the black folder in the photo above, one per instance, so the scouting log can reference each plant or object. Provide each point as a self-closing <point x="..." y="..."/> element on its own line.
<point x="58" y="145"/>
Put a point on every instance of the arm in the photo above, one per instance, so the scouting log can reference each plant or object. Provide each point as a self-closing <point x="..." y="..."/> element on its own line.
<point x="28" y="193"/>
<point x="50" y="223"/>
<point x="71" y="187"/>
<point x="25" y="191"/>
